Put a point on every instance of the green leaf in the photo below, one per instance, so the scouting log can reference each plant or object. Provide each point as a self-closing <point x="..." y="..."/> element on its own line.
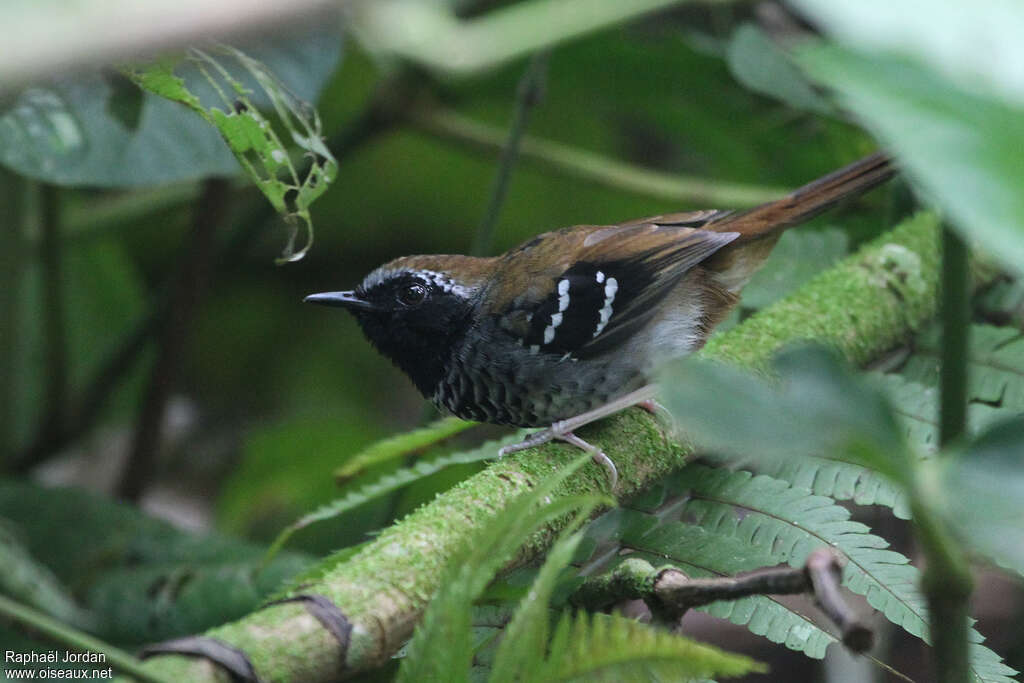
<point x="996" y="392"/>
<point x="758" y="63"/>
<point x="983" y="494"/>
<point x="948" y="40"/>
<point x="144" y="579"/>
<point x="601" y="647"/>
<point x="30" y="582"/>
<point x="401" y="445"/>
<point x="959" y="147"/>
<point x="785" y="420"/>
<point x="77" y="131"/>
<point x="799" y="256"/>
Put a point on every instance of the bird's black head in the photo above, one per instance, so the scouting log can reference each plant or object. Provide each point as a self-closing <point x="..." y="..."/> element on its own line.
<point x="414" y="316"/>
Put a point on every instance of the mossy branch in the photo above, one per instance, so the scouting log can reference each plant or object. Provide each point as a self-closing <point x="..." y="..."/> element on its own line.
<point x="862" y="307"/>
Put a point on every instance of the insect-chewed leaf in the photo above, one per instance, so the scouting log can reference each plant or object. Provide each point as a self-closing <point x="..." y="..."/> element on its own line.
<point x="251" y="136"/>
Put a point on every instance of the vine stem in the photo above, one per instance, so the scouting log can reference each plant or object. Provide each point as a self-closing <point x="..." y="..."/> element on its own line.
<point x="185" y="298"/>
<point x="55" y="631"/>
<point x="54" y="309"/>
<point x="13" y="195"/>
<point x="528" y="95"/>
<point x="453" y="126"/>
<point x="947" y="578"/>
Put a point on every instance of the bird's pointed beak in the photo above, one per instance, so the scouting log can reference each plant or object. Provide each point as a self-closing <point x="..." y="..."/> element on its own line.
<point x="348" y="299"/>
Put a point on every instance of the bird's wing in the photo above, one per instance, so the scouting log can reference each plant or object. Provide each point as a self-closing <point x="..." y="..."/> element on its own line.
<point x="606" y="287"/>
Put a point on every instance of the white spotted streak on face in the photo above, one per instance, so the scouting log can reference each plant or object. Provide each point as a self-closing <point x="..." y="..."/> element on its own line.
<point x="439" y="280"/>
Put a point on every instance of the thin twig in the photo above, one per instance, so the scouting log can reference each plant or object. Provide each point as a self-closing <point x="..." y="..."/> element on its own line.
<point x="44" y="625"/>
<point x="671" y="593"/>
<point x="528" y="95"/>
<point x="618" y="175"/>
<point x="209" y="215"/>
<point x="55" y="330"/>
<point x="12" y="198"/>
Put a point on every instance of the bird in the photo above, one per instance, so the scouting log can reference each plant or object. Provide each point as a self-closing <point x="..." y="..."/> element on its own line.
<point x="569" y="326"/>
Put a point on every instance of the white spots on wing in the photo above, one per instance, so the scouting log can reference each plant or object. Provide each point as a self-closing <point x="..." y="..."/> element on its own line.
<point x="600" y="277"/>
<point x="563" y="295"/>
<point x="556" y="318"/>
<point x="610" y="288"/>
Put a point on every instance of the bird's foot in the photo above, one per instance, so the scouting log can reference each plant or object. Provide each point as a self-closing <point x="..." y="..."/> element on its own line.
<point x="552" y="433"/>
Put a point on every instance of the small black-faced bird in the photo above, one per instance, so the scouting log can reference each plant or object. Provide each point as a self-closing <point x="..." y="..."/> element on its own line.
<point x="567" y="327"/>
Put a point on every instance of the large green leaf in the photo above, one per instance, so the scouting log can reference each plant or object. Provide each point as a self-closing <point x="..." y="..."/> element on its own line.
<point x="762" y="66"/>
<point x="976" y="44"/>
<point x="995" y="393"/>
<point x="983" y="494"/>
<point x="799" y="256"/>
<point x="960" y="147"/>
<point x="143" y="578"/>
<point x="98" y="129"/>
<point x="32" y="583"/>
<point x="785" y="420"/>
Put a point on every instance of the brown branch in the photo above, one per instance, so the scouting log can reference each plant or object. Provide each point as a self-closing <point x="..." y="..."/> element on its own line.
<point x="670" y="593"/>
<point x="174" y="330"/>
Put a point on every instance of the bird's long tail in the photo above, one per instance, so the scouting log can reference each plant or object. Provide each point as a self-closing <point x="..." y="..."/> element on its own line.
<point x="808" y="201"/>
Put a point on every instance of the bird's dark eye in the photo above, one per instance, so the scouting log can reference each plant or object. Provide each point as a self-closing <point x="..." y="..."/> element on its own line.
<point x="413" y="294"/>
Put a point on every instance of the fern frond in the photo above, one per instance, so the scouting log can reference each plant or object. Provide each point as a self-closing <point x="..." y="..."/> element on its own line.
<point x="385" y="485"/>
<point x="603" y="647"/>
<point x="917" y="408"/>
<point x="995" y="364"/>
<point x="789" y="523"/>
<point x="526" y="637"/>
<point x="841" y="481"/>
<point x="401" y="444"/>
<point x="441" y="648"/>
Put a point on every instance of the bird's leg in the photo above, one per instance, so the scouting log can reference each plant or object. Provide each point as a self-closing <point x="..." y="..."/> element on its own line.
<point x="563" y="429"/>
<point x="656" y="409"/>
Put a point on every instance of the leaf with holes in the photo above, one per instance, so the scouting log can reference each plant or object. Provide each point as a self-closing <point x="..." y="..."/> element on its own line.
<point x="251" y="136"/>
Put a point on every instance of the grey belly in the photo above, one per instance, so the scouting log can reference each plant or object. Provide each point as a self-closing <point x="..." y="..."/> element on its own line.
<point x="502" y="385"/>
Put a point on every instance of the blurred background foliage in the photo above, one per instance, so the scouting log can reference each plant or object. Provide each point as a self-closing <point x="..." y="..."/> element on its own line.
<point x="268" y="397"/>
